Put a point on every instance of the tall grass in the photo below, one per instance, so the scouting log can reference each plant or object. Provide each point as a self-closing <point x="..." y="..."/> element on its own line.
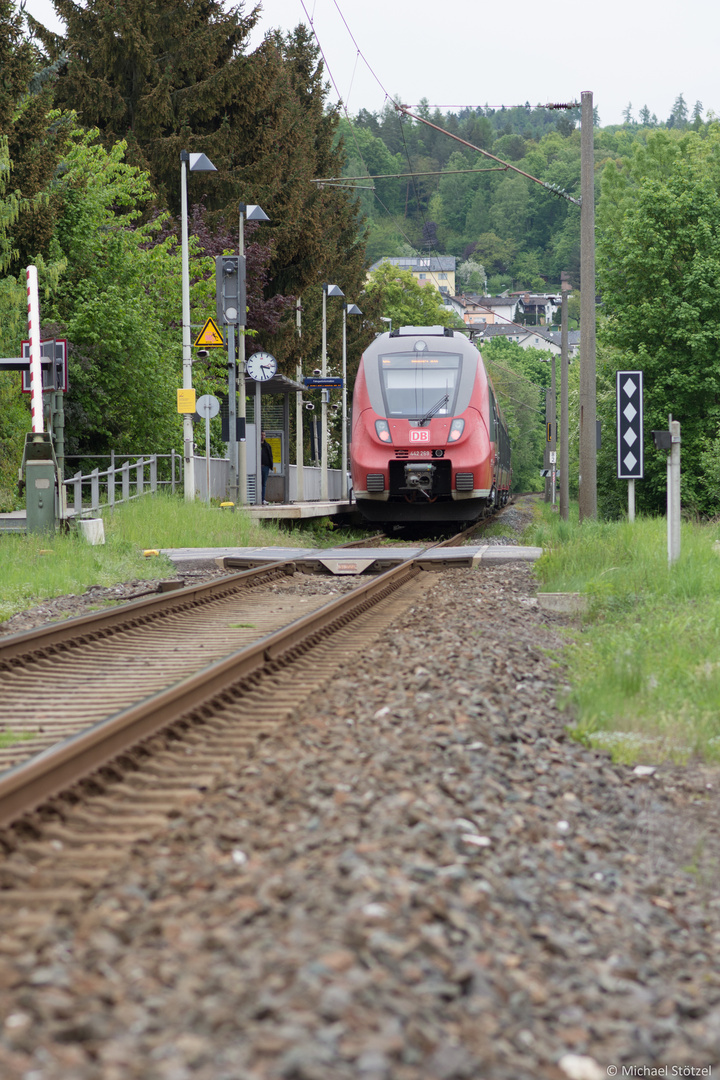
<point x="165" y="521"/>
<point x="34" y="568"/>
<point x="645" y="667"/>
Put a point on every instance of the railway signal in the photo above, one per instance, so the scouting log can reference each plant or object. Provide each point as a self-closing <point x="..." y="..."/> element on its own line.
<point x="630" y="452"/>
<point x="230" y="289"/>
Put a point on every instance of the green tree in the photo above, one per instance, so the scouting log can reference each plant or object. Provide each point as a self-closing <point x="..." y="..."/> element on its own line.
<point x="157" y="75"/>
<point x="520" y="377"/>
<point x="509" y="212"/>
<point x="526" y="271"/>
<point x="679" y="116"/>
<point x="165" y="78"/>
<point x="117" y="303"/>
<point x="697" y="115"/>
<point x="457" y="189"/>
<point x="35" y="136"/>
<point x="471" y="277"/>
<point x="658" y="264"/>
<point x="10" y="205"/>
<point x="14" y="416"/>
<point x="406" y="301"/>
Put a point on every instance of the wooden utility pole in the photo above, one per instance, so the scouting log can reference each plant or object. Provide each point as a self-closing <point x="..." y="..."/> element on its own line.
<point x="588" y="432"/>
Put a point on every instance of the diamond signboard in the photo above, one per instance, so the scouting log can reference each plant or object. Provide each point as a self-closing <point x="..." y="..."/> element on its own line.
<point x="630" y="457"/>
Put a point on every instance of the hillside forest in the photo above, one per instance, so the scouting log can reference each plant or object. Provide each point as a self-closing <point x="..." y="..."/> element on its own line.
<point x="92" y="125"/>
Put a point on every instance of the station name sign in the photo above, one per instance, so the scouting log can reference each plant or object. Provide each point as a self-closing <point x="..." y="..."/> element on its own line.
<point x="328" y="383"/>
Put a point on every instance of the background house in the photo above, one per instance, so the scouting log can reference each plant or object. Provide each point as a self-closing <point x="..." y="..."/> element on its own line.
<point x="438" y="271"/>
<point x="531" y="337"/>
<point x="538" y="308"/>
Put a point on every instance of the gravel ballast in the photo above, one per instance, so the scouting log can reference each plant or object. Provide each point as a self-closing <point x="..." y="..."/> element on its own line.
<point x="423" y="877"/>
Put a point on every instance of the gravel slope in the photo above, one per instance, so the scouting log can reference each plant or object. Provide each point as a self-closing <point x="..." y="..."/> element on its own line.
<point x="422" y="878"/>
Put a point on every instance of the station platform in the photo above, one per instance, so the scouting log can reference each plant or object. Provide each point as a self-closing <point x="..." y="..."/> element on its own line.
<point x="16" y="520"/>
<point x="350" y="560"/>
<point x="299" y="511"/>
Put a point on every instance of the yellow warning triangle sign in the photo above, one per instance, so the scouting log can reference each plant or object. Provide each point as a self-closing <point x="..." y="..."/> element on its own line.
<point x="210" y="337"/>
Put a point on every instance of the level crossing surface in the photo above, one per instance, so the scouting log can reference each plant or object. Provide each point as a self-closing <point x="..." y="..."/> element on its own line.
<point x="468" y="555"/>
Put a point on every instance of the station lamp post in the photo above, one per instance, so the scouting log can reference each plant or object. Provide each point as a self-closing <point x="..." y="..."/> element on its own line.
<point x="328" y="290"/>
<point x="348" y="309"/>
<point x="197" y="163"/>
<point x="247" y="212"/>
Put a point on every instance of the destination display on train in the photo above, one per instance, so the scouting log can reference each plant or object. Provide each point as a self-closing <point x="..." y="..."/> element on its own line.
<point x="409" y="360"/>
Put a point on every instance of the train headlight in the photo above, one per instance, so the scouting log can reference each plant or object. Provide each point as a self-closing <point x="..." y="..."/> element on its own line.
<point x="456" y="429"/>
<point x="382" y="429"/>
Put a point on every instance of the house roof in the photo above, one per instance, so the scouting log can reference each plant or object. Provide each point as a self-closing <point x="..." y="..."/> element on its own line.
<point x="555" y="335"/>
<point x="538" y="300"/>
<point x="468" y="302"/>
<point x="503" y="330"/>
<point x="494" y="301"/>
<point x="442" y="263"/>
<point x="515" y="330"/>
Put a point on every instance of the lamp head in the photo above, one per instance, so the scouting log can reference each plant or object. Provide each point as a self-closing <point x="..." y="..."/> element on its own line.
<point x="253" y="212"/>
<point x="333" y="290"/>
<point x="353" y="309"/>
<point x="201" y="163"/>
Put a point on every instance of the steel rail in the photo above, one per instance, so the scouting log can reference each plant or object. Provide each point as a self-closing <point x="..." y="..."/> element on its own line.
<point x="134" y="613"/>
<point x="30" y="784"/>
<point x="367" y="541"/>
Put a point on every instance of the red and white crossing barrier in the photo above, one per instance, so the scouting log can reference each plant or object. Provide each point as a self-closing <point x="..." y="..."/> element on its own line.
<point x="33" y="303"/>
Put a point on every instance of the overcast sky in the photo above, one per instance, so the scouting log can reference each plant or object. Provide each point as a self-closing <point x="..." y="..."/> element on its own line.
<point x="465" y="53"/>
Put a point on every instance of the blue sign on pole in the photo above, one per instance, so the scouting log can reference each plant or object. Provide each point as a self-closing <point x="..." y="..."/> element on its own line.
<point x="328" y="383"/>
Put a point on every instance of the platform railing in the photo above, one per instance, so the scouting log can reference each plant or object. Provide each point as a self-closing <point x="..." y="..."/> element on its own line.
<point x="136" y="478"/>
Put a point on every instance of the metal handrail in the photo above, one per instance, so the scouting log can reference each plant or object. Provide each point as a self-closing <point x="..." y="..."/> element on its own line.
<point x="107" y="479"/>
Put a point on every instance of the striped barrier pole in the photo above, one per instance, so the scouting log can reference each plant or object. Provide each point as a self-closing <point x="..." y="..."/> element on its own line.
<point x="33" y="303"/>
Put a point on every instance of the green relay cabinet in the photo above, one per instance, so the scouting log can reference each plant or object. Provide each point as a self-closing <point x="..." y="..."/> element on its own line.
<point x="40" y="467"/>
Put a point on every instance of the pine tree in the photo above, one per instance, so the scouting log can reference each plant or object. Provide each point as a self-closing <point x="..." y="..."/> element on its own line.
<point x="35" y="139"/>
<point x="165" y="76"/>
<point x="168" y="77"/>
<point x="679" y="116"/>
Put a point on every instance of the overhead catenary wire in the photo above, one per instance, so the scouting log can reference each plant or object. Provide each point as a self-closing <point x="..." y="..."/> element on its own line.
<point x="359" y="53"/>
<point x="344" y="108"/>
<point x="518" y="374"/>
<point x="554" y="189"/>
<point x="389" y="98"/>
<point x="401" y="176"/>
<point x="506" y="108"/>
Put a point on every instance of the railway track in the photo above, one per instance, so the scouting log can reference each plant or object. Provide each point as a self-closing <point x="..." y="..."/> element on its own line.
<point x="146" y="737"/>
<point x="121" y="717"/>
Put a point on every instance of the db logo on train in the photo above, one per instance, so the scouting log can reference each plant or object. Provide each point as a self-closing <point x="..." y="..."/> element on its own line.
<point x="419" y="435"/>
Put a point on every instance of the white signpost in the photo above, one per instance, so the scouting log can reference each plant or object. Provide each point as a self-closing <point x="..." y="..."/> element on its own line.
<point x="207" y="406"/>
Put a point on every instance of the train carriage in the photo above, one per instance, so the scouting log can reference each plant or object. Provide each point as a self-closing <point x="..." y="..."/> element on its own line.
<point x="429" y="442"/>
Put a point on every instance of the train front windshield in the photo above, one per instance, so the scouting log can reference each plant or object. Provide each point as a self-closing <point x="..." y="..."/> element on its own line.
<point x="415" y="385"/>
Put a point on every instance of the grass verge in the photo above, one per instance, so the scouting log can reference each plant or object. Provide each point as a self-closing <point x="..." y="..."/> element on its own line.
<point x="35" y="568"/>
<point x="644" y="669"/>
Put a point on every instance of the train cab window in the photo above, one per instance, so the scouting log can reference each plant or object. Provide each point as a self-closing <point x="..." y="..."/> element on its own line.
<point x="415" y="384"/>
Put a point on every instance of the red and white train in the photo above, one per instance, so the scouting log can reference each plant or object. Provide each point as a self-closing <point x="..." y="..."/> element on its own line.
<point x="429" y="442"/>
